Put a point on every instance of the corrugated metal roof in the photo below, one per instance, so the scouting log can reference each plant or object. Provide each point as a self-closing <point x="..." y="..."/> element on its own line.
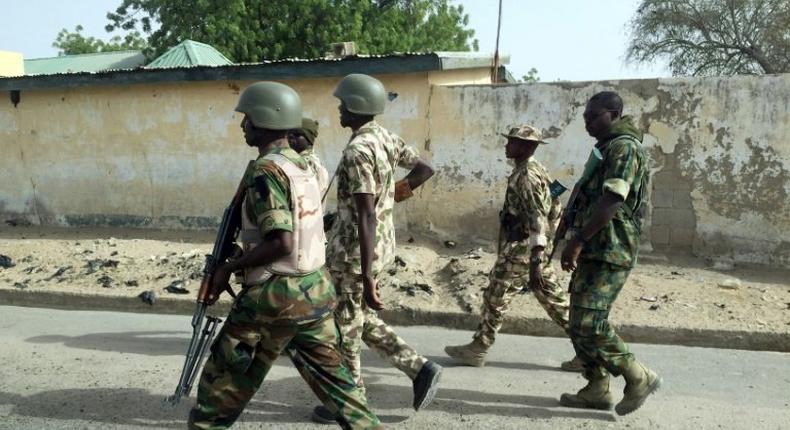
<point x="96" y="62"/>
<point x="289" y="68"/>
<point x="189" y="54"/>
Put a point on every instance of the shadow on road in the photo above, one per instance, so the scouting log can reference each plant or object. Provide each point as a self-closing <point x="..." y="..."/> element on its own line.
<point x="445" y="361"/>
<point x="153" y="343"/>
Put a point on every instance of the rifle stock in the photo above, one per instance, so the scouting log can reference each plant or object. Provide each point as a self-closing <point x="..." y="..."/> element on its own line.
<point x="566" y="220"/>
<point x="202" y="334"/>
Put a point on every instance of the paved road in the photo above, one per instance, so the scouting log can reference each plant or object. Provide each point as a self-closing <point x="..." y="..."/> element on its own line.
<point x="99" y="370"/>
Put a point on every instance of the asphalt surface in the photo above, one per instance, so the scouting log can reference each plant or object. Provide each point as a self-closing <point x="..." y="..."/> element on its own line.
<point x="99" y="370"/>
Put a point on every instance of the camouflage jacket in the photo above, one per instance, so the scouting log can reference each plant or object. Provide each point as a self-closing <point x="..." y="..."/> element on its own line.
<point x="315" y="165"/>
<point x="367" y="166"/>
<point x="624" y="171"/>
<point x="530" y="215"/>
<point x="269" y="204"/>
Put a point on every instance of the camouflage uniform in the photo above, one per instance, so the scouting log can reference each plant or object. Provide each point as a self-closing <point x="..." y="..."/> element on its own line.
<point x="310" y="132"/>
<point x="607" y="257"/>
<point x="314" y="163"/>
<point x="367" y="167"/>
<point x="529" y="217"/>
<point x="291" y="313"/>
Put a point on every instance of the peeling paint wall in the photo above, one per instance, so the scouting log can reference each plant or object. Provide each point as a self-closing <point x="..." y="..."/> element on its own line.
<point x="159" y="155"/>
<point x="721" y="159"/>
<point x="170" y="155"/>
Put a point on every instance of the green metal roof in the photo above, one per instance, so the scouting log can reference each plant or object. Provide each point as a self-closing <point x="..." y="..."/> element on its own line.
<point x="85" y="63"/>
<point x="267" y="70"/>
<point x="189" y="53"/>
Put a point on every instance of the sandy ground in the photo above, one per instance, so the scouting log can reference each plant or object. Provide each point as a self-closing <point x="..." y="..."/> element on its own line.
<point x="676" y="291"/>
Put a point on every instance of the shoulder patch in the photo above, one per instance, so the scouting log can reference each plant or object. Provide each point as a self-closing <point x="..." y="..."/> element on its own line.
<point x="261" y="187"/>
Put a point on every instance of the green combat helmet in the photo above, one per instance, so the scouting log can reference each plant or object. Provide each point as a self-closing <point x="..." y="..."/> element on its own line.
<point x="271" y="105"/>
<point x="362" y="94"/>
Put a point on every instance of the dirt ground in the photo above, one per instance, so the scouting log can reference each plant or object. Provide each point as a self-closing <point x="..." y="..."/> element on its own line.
<point x="668" y="291"/>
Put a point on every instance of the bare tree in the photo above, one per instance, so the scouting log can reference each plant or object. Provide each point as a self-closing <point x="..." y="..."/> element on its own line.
<point x="713" y="37"/>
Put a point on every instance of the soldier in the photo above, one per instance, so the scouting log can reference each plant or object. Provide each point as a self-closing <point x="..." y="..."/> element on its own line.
<point x="362" y="239"/>
<point x="602" y="252"/>
<point x="527" y="221"/>
<point x="288" y="298"/>
<point x="302" y="141"/>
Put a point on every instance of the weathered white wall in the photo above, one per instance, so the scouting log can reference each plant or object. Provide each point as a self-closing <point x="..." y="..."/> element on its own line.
<point x="728" y="137"/>
<point x="170" y="155"/>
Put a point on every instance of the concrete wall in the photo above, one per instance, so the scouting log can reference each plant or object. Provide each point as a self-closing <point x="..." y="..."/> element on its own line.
<point x="170" y="155"/>
<point x="719" y="147"/>
<point x="160" y="155"/>
<point x="11" y="64"/>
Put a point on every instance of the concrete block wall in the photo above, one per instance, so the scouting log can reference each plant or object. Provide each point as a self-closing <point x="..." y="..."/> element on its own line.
<point x="673" y="224"/>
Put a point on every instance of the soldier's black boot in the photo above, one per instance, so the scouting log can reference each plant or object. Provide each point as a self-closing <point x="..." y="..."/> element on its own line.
<point x="425" y="384"/>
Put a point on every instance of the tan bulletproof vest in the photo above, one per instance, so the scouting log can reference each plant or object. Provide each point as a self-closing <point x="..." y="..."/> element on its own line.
<point x="308" y="227"/>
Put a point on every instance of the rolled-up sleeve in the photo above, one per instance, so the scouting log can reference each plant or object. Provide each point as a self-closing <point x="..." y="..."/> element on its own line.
<point x="620" y="168"/>
<point x="359" y="167"/>
<point x="270" y="201"/>
<point x="537" y="205"/>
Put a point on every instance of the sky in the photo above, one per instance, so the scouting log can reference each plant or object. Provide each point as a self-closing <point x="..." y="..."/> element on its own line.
<point x="576" y="40"/>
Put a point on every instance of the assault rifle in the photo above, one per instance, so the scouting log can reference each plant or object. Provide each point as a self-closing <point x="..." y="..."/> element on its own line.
<point x="202" y="334"/>
<point x="568" y="217"/>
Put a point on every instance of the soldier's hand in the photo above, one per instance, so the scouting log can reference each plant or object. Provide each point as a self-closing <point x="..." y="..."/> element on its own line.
<point x="402" y="190"/>
<point x="219" y="283"/>
<point x="371" y="293"/>
<point x="571" y="254"/>
<point x="536" y="279"/>
<point x="329" y="220"/>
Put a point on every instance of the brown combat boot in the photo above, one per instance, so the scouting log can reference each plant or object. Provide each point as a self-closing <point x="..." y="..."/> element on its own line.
<point x="594" y="395"/>
<point x="640" y="382"/>
<point x="472" y="354"/>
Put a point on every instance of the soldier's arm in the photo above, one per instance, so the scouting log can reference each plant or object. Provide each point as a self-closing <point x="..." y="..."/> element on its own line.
<point x="271" y="211"/>
<point x="419" y="171"/>
<point x="535" y="208"/>
<point x="358" y="164"/>
<point x="366" y="215"/>
<point x="620" y="167"/>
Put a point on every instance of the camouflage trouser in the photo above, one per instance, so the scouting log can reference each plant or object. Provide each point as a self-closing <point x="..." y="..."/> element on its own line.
<point x="594" y="288"/>
<point x="358" y="323"/>
<point x="243" y="354"/>
<point x="508" y="278"/>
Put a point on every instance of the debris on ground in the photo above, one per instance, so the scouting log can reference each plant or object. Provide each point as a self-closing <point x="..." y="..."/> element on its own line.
<point x="653" y="307"/>
<point x="428" y="277"/>
<point x="6" y="262"/>
<point x="176" y="287"/>
<point x="105" y="281"/>
<point x="455" y="267"/>
<point x="449" y="244"/>
<point x="730" y="284"/>
<point x="92" y="266"/>
<point x="59" y="273"/>
<point x="148" y="297"/>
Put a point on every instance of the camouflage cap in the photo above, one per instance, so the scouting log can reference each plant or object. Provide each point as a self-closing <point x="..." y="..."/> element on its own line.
<point x="309" y="129"/>
<point x="525" y="132"/>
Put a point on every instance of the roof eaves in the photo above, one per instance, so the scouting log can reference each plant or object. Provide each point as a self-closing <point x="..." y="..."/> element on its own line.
<point x="274" y="70"/>
<point x="452" y="60"/>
